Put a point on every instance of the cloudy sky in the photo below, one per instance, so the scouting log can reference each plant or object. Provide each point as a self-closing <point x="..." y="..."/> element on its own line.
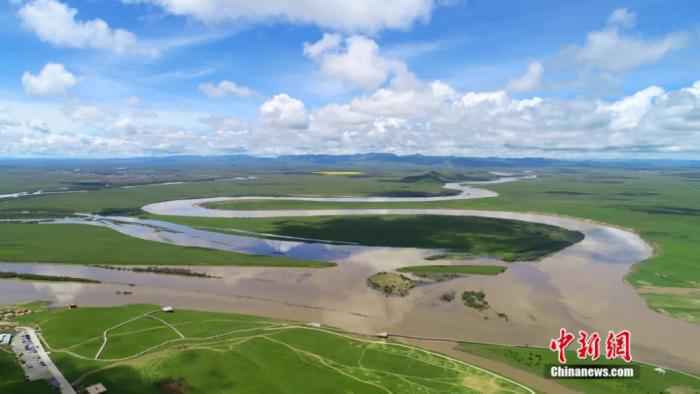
<point x="551" y="78"/>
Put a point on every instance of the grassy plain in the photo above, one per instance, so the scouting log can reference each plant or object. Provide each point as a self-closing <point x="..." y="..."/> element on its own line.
<point x="84" y="244"/>
<point x="534" y="360"/>
<point x="683" y="306"/>
<point x="510" y="240"/>
<point x="12" y="377"/>
<point x="227" y="353"/>
<point x="120" y="199"/>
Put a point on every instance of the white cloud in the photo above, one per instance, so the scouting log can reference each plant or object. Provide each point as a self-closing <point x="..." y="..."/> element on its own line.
<point x="52" y="80"/>
<point x="411" y="49"/>
<point x="38" y="126"/>
<point x="531" y="80"/>
<point x="431" y="118"/>
<point x="357" y="62"/>
<point x="284" y="112"/>
<point x="622" y="17"/>
<point x="85" y="113"/>
<point x="327" y="43"/>
<point x="225" y="88"/>
<point x="436" y="119"/>
<point x="133" y="101"/>
<point x="181" y="75"/>
<point x="494" y="100"/>
<point x="628" y="112"/>
<point x="693" y="90"/>
<point x="613" y="50"/>
<point x="226" y="126"/>
<point x="343" y="15"/>
<point x="55" y="23"/>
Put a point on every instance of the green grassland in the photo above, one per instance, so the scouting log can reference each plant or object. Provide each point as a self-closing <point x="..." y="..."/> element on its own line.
<point x="226" y="353"/>
<point x="535" y="360"/>
<point x="12" y="378"/>
<point x="28" y="176"/>
<point x="119" y="199"/>
<point x="85" y="244"/>
<point x="19" y="180"/>
<point x="683" y="306"/>
<point x="510" y="240"/>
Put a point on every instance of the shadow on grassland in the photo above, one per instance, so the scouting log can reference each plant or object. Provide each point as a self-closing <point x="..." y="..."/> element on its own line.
<point x="123" y="379"/>
<point x="666" y="210"/>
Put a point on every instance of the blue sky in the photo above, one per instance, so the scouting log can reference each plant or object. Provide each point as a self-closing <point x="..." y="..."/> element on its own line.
<point x="463" y="77"/>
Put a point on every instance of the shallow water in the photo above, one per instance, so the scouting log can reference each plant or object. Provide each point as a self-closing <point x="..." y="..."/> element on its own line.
<point x="36" y="193"/>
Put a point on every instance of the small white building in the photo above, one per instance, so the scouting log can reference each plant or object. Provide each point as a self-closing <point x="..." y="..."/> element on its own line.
<point x="5" y="339"/>
<point x="98" y="388"/>
<point x="314" y="324"/>
<point x="168" y="309"/>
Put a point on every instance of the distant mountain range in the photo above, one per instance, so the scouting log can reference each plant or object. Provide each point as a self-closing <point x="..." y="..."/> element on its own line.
<point x="362" y="161"/>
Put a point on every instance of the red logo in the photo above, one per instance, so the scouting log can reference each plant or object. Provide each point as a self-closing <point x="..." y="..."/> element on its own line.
<point x="560" y="344"/>
<point x="617" y="345"/>
<point x="588" y="345"/>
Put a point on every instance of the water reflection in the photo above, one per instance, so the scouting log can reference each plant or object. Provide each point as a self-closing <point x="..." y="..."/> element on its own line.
<point x="176" y="234"/>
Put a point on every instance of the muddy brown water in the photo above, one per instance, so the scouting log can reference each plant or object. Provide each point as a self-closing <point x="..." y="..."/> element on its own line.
<point x="581" y="287"/>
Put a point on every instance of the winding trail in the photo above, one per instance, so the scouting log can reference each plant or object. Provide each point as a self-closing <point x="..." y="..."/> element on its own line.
<point x="168" y="325"/>
<point x="106" y="332"/>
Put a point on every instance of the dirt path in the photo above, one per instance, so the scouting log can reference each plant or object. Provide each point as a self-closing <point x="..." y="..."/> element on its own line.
<point x="167" y="325"/>
<point x="105" y="332"/>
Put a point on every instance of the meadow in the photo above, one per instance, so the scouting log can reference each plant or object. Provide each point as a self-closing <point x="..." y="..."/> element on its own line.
<point x="67" y="244"/>
<point x="12" y="378"/>
<point x="116" y="199"/>
<point x="147" y="351"/>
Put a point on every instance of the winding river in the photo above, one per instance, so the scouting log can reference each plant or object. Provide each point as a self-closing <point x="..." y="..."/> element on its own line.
<point x="581" y="287"/>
